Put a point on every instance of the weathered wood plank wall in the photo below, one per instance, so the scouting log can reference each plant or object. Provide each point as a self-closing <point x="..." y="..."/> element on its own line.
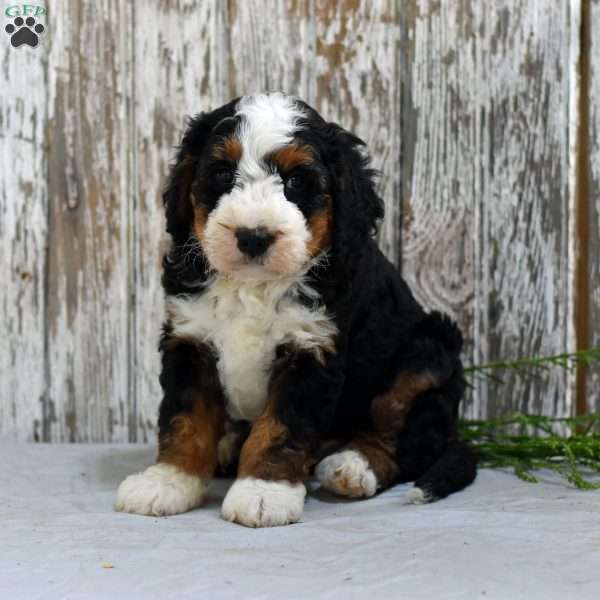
<point x="89" y="179"/>
<point x="593" y="255"/>
<point x="470" y="109"/>
<point x="488" y="195"/>
<point x="23" y="235"/>
<point x="181" y="65"/>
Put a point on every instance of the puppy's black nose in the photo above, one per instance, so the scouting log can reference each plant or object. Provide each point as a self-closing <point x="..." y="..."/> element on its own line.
<point x="253" y="242"/>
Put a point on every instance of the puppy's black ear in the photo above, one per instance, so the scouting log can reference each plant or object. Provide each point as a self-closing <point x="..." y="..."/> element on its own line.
<point x="357" y="206"/>
<point x="177" y="199"/>
<point x="177" y="195"/>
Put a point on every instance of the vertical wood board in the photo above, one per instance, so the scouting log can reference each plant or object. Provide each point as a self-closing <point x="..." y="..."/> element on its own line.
<point x="181" y="58"/>
<point x="23" y="231"/>
<point x="357" y="73"/>
<point x="90" y="190"/>
<point x="486" y="217"/>
<point x="525" y="293"/>
<point x="469" y="109"/>
<point x="593" y="382"/>
<point x="439" y="134"/>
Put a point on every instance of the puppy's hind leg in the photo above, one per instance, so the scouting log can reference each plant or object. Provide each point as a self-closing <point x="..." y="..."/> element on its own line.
<point x="369" y="464"/>
<point x="364" y="467"/>
<point x="453" y="471"/>
<point x="429" y="452"/>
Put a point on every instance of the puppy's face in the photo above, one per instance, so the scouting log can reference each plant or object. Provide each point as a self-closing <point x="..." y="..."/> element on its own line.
<point x="262" y="188"/>
<point x="262" y="207"/>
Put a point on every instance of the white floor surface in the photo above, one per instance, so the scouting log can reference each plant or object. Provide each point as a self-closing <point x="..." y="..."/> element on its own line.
<point x="499" y="539"/>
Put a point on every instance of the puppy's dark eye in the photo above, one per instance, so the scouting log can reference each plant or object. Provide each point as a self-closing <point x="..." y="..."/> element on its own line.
<point x="295" y="183"/>
<point x="224" y="177"/>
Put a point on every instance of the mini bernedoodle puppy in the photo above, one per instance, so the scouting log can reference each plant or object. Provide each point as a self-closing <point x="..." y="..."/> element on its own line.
<point x="291" y="345"/>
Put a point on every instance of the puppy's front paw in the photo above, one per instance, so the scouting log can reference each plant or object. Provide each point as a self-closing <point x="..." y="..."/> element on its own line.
<point x="259" y="503"/>
<point x="160" y="490"/>
<point x="347" y="473"/>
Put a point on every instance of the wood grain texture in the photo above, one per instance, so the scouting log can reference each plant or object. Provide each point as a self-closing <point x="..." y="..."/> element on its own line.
<point x="23" y="230"/>
<point x="524" y="300"/>
<point x="90" y="191"/>
<point x="593" y="382"/>
<point x="357" y="73"/>
<point x="341" y="57"/>
<point x="181" y="57"/>
<point x="272" y="44"/>
<point x="486" y="217"/>
<point x="469" y="109"/>
<point x="440" y="172"/>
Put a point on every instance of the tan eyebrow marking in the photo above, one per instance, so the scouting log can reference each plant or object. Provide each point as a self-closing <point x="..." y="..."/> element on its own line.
<point x="293" y="156"/>
<point x="228" y="149"/>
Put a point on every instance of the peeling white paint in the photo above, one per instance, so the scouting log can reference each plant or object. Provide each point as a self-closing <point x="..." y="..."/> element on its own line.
<point x="594" y="164"/>
<point x="23" y="200"/>
<point x="180" y="70"/>
<point x="90" y="187"/>
<point x="486" y="236"/>
<point x="475" y="102"/>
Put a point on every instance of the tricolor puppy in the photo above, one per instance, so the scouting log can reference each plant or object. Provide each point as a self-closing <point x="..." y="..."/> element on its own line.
<point x="291" y="345"/>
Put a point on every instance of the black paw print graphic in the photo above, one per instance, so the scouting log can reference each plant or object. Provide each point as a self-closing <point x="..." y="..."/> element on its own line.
<point x="24" y="32"/>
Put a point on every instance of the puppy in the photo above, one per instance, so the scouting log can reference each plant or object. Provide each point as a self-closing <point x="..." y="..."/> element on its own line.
<point x="291" y="345"/>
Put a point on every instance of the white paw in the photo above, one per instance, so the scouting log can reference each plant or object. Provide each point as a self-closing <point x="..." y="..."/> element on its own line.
<point x="347" y="473"/>
<point x="160" y="490"/>
<point x="419" y="495"/>
<point x="259" y="503"/>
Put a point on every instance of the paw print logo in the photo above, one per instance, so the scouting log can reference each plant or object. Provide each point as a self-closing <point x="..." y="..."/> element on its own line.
<point x="24" y="32"/>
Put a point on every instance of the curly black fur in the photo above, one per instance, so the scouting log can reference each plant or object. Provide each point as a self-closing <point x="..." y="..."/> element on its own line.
<point x="383" y="331"/>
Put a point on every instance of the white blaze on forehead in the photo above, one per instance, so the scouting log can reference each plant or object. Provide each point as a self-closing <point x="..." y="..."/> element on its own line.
<point x="269" y="122"/>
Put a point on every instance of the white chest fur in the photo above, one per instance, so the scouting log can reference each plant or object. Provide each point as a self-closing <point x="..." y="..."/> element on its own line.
<point x="244" y="322"/>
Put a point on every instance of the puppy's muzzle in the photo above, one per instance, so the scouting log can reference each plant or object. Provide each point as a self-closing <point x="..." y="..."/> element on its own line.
<point x="253" y="242"/>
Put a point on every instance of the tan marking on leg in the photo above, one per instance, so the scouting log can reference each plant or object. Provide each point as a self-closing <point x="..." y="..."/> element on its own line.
<point x="265" y="454"/>
<point x="192" y="443"/>
<point x="388" y="415"/>
<point x="389" y="410"/>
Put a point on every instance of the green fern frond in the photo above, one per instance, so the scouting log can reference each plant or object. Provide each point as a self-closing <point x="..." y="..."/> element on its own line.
<point x="503" y="443"/>
<point x="525" y="366"/>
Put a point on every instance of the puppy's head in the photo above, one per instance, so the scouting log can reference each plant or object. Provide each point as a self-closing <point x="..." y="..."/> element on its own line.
<point x="265" y="186"/>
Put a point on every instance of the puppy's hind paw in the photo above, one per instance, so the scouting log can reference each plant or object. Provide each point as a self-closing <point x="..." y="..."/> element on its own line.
<point x="347" y="473"/>
<point x="417" y="495"/>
